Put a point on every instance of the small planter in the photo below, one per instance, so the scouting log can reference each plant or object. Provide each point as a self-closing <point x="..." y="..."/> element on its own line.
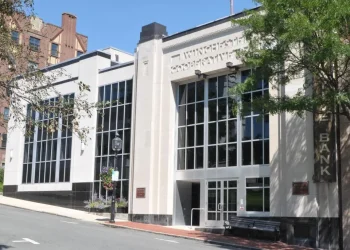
<point x="122" y="210"/>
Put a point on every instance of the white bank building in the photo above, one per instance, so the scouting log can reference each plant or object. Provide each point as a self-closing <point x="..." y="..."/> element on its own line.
<point x="183" y="150"/>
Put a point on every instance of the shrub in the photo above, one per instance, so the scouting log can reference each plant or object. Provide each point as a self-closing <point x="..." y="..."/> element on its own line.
<point x="2" y="175"/>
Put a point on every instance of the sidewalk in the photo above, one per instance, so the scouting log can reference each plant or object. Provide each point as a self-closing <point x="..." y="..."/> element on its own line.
<point x="206" y="237"/>
<point x="65" y="212"/>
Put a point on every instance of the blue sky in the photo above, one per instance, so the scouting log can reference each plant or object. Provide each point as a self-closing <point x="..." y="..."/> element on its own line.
<point x="118" y="23"/>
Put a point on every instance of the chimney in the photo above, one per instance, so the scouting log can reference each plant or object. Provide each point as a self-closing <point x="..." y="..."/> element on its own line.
<point x="152" y="31"/>
<point x="69" y="26"/>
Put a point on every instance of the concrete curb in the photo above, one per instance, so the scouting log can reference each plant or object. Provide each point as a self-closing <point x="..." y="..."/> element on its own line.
<point x="183" y="237"/>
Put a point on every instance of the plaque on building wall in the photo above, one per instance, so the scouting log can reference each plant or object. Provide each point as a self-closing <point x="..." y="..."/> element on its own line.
<point x="300" y="188"/>
<point x="324" y="146"/>
<point x="140" y="193"/>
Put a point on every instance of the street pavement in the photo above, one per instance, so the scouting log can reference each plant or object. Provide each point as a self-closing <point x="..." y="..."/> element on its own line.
<point x="28" y="230"/>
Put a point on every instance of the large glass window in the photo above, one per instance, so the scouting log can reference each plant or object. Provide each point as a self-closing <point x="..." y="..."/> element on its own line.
<point x="54" y="49"/>
<point x="191" y="126"/>
<point x="114" y="116"/>
<point x="205" y="117"/>
<point x="255" y="126"/>
<point x="258" y="194"/>
<point x="47" y="154"/>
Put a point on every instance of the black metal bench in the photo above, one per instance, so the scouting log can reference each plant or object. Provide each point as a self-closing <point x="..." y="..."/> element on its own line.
<point x="253" y="225"/>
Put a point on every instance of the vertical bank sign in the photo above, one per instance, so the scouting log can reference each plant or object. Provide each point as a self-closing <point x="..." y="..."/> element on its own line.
<point x="325" y="153"/>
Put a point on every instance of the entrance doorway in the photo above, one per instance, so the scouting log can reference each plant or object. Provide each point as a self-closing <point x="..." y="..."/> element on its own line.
<point x="221" y="201"/>
<point x="187" y="198"/>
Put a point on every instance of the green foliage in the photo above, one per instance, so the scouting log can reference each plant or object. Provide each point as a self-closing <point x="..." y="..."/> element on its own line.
<point x="2" y="175"/>
<point x="290" y="39"/>
<point x="1" y="187"/>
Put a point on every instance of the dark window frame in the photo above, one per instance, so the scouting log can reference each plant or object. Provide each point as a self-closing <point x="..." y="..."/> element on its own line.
<point x="34" y="43"/>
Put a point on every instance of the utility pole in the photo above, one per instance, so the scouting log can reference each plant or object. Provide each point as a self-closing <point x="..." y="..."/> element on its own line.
<point x="231" y="6"/>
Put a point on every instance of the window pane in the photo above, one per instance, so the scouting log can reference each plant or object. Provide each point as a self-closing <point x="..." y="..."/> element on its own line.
<point x="100" y="94"/>
<point x="230" y="107"/>
<point x="266" y="127"/>
<point x="232" y="155"/>
<point x="212" y="184"/>
<point x="266" y="182"/>
<point x="127" y="121"/>
<point x="222" y="106"/>
<point x="67" y="172"/>
<point x="114" y="93"/>
<point x="222" y="156"/>
<point x="199" y="157"/>
<point x="48" y="151"/>
<point x="97" y="168"/>
<point x="222" y="86"/>
<point x="257" y="152"/>
<point x="121" y="93"/>
<point x="246" y="102"/>
<point x="98" y="144"/>
<point x="200" y="112"/>
<point x="25" y="154"/>
<point x="113" y="118"/>
<point x="42" y="172"/>
<point x="255" y="199"/>
<point x="257" y="128"/>
<point x="222" y="132"/>
<point x="61" y="173"/>
<point x="190" y="136"/>
<point x="212" y="110"/>
<point x="24" y="174"/>
<point x="69" y="148"/>
<point x="212" y="157"/>
<point x="232" y="131"/>
<point x="107" y="96"/>
<point x="191" y="92"/>
<point x="181" y="137"/>
<point x="190" y="158"/>
<point x="267" y="200"/>
<point x="199" y="135"/>
<point x="200" y="91"/>
<point x="63" y="149"/>
<point x="212" y="88"/>
<point x="246" y="129"/>
<point x="125" y="188"/>
<point x="257" y="95"/>
<point x="212" y="200"/>
<point x="105" y="144"/>
<point x="54" y="149"/>
<point x="129" y="87"/>
<point x="246" y="153"/>
<point x="53" y="172"/>
<point x="127" y="138"/>
<point x="47" y="172"/>
<point x="126" y="166"/>
<point x="181" y="159"/>
<point x="29" y="173"/>
<point x="37" y="171"/>
<point x="30" y="158"/>
<point x="182" y="115"/>
<point x="232" y="200"/>
<point x="212" y="133"/>
<point x="182" y="94"/>
<point x="120" y="120"/>
<point x="106" y="120"/>
<point x="190" y="114"/>
<point x="266" y="152"/>
<point x="254" y="182"/>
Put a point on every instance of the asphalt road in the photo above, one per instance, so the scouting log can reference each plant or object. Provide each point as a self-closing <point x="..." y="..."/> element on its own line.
<point x="28" y="230"/>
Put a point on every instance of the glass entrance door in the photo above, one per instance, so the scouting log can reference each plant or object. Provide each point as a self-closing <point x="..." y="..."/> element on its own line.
<point x="221" y="202"/>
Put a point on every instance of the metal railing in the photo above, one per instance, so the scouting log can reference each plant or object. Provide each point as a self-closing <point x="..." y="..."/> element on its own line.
<point x="192" y="213"/>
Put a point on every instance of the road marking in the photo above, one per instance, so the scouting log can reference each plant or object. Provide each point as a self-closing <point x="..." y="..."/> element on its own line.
<point x="26" y="240"/>
<point x="69" y="222"/>
<point x="172" y="241"/>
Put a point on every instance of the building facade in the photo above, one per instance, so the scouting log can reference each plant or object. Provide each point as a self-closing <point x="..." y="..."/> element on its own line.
<point x="186" y="159"/>
<point x="49" y="44"/>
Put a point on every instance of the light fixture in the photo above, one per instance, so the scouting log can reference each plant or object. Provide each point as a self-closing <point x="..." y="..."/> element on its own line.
<point x="234" y="69"/>
<point x="117" y="143"/>
<point x="82" y="146"/>
<point x="200" y="74"/>
<point x="11" y="154"/>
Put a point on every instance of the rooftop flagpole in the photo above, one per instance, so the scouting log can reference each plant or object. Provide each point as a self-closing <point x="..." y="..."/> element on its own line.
<point x="231" y="5"/>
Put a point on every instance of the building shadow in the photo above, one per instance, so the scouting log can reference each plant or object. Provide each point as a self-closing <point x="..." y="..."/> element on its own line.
<point x="3" y="247"/>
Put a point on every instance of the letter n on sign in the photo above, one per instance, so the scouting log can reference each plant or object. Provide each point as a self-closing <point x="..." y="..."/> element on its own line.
<point x="324" y="144"/>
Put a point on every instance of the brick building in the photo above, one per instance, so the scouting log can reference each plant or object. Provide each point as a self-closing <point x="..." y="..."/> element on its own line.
<point x="49" y="44"/>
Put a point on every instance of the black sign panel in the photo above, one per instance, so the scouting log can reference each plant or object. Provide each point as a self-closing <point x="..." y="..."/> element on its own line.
<point x="325" y="153"/>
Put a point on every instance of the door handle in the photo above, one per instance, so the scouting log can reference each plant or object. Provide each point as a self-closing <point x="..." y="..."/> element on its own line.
<point x="219" y="206"/>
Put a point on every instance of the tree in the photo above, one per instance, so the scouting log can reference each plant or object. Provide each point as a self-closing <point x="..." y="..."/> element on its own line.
<point x="23" y="87"/>
<point x="292" y="38"/>
<point x="289" y="39"/>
